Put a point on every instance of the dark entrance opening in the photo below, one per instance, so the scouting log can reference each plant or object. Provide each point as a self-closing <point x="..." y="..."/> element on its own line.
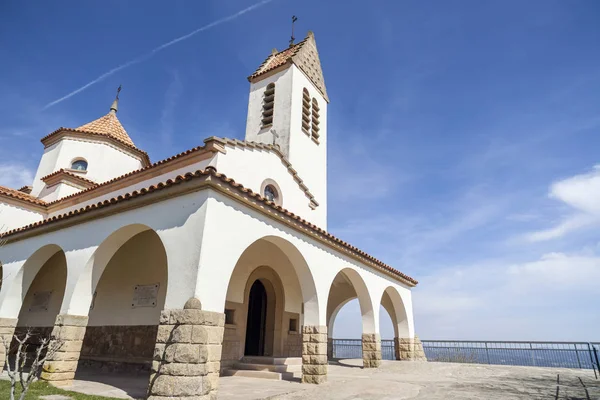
<point x="257" y="319"/>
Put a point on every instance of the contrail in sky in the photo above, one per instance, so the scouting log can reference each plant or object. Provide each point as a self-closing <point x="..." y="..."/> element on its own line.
<point x="156" y="50"/>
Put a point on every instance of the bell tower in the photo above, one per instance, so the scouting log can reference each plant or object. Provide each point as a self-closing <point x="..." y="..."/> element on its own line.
<point x="288" y="108"/>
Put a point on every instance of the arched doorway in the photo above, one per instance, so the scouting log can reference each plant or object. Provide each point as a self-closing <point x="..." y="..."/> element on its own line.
<point x="256" y="324"/>
<point x="264" y="304"/>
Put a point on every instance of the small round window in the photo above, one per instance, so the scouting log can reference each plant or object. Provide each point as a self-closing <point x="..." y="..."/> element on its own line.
<point x="79" y="165"/>
<point x="271" y="193"/>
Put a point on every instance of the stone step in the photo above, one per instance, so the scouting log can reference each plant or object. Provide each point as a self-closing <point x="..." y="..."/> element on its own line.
<point x="272" y="360"/>
<point x="269" y="367"/>
<point x="277" y="376"/>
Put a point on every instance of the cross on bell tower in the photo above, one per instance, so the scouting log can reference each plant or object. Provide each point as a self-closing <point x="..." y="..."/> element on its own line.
<point x="294" y="19"/>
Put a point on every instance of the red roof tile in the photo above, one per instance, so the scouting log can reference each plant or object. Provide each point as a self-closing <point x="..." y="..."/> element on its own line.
<point x="70" y="175"/>
<point x="211" y="171"/>
<point x="16" y="194"/>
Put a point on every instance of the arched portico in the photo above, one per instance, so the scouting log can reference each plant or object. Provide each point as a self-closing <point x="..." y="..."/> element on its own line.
<point x="348" y="285"/>
<point x="393" y="304"/>
<point x="406" y="345"/>
<point x="33" y="295"/>
<point x="17" y="279"/>
<point x="80" y="298"/>
<point x="111" y="314"/>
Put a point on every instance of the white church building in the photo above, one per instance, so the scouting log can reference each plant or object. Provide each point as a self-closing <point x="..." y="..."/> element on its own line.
<point x="213" y="261"/>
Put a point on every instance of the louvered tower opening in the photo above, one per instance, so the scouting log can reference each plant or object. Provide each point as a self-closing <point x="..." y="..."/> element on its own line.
<point x="315" y="119"/>
<point x="268" y="105"/>
<point x="306" y="111"/>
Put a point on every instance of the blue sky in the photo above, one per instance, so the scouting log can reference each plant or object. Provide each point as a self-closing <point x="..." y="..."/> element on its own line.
<point x="463" y="135"/>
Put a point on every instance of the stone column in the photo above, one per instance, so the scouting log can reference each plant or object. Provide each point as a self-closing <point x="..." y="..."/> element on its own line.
<point x="314" y="354"/>
<point x="7" y="330"/>
<point x="187" y="356"/>
<point x="67" y="336"/>
<point x="371" y="349"/>
<point x="409" y="349"/>
<point x="419" y="351"/>
<point x="329" y="348"/>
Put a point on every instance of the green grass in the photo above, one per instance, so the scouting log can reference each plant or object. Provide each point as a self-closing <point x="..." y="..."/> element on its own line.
<point x="41" y="388"/>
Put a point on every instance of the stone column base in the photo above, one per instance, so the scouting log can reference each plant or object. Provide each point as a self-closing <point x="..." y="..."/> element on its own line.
<point x="409" y="349"/>
<point x="187" y="356"/>
<point x="314" y="354"/>
<point x="329" y="348"/>
<point x="67" y="336"/>
<point x="7" y="330"/>
<point x="371" y="349"/>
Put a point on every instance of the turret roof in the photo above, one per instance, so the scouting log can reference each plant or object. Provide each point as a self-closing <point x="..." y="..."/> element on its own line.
<point x="304" y="55"/>
<point x="108" y="125"/>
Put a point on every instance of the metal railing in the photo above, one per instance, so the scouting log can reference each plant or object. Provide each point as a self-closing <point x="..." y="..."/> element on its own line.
<point x="352" y="348"/>
<point x="596" y="358"/>
<point x="532" y="354"/>
<point x="541" y="354"/>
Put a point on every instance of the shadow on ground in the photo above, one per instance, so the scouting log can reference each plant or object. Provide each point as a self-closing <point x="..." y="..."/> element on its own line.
<point x="393" y="380"/>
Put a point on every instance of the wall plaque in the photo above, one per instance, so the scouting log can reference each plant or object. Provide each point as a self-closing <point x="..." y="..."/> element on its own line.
<point x="41" y="301"/>
<point x="145" y="295"/>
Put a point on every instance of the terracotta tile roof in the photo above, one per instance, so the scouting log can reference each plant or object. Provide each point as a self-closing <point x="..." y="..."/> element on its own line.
<point x="19" y="195"/>
<point x="108" y="125"/>
<point x="277" y="59"/>
<point x="127" y="145"/>
<point x="26" y="189"/>
<point x="304" y="55"/>
<point x="70" y="176"/>
<point x="212" y="172"/>
<point x="127" y="175"/>
<point x="207" y="141"/>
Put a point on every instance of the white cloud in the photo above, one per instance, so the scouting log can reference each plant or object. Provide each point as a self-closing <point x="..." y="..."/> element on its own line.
<point x="580" y="194"/>
<point x="543" y="299"/>
<point x="15" y="175"/>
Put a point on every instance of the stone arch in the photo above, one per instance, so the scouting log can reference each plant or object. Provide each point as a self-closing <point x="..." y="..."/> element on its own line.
<point x="291" y="294"/>
<point x="334" y="313"/>
<point x="17" y="287"/>
<point x="393" y="304"/>
<point x="82" y="295"/>
<point x="35" y="295"/>
<point x="122" y="291"/>
<point x="301" y="271"/>
<point x="352" y="286"/>
<point x="348" y="285"/>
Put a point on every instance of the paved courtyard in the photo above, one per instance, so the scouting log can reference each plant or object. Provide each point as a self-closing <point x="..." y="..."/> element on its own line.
<point x="394" y="380"/>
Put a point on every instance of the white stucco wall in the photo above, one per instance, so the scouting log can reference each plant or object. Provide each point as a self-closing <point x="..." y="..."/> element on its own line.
<point x="13" y="216"/>
<point x="177" y="221"/>
<point x="52" y="277"/>
<point x="308" y="158"/>
<point x="58" y="191"/>
<point x="222" y="248"/>
<point x="204" y="235"/>
<point x="104" y="160"/>
<point x="137" y="186"/>
<point x="251" y="167"/>
<point x="140" y="261"/>
<point x="263" y="253"/>
<point x="281" y="112"/>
